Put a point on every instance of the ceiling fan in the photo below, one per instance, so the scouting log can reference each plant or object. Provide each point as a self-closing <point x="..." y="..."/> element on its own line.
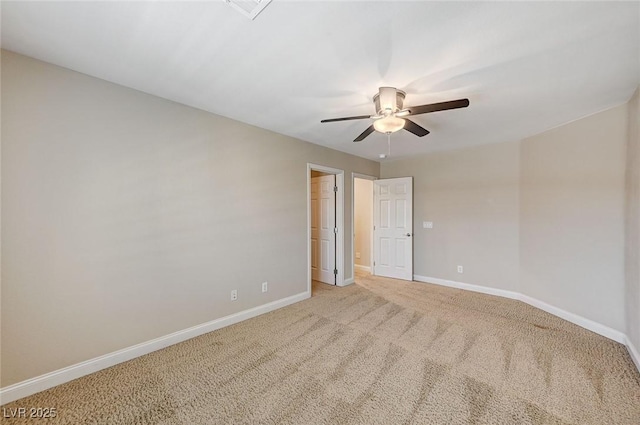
<point x="390" y="116"/>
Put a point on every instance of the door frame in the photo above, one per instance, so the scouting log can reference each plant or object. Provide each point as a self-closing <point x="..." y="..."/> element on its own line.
<point x="355" y="176"/>
<point x="339" y="221"/>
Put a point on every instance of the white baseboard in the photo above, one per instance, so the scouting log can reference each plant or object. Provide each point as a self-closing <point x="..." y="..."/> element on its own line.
<point x="60" y="376"/>
<point x="469" y="287"/>
<point x="578" y="320"/>
<point x="347" y="282"/>
<point x="633" y="352"/>
<point x="563" y="314"/>
<point x="362" y="268"/>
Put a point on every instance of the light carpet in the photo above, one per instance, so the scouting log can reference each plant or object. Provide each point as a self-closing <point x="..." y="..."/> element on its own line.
<point x="381" y="351"/>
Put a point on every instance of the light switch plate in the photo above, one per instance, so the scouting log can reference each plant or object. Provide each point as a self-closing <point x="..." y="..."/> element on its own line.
<point x="427" y="224"/>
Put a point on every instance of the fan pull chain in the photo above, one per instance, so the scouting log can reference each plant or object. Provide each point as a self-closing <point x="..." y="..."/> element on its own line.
<point x="389" y="144"/>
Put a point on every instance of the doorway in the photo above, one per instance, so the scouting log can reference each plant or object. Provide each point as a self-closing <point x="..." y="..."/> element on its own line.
<point x="391" y="240"/>
<point x="325" y="225"/>
<point x="362" y="254"/>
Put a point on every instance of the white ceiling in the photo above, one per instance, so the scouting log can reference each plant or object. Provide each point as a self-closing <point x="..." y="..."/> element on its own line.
<point x="525" y="66"/>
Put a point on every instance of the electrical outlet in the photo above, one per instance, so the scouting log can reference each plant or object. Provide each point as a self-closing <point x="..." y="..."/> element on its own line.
<point x="265" y="286"/>
<point x="460" y="269"/>
<point x="234" y="295"/>
<point x="357" y="255"/>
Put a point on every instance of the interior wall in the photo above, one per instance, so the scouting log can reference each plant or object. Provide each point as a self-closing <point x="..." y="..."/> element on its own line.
<point x="363" y="221"/>
<point x="471" y="196"/>
<point x="543" y="216"/>
<point x="632" y="226"/>
<point x="572" y="217"/>
<point x="127" y="217"/>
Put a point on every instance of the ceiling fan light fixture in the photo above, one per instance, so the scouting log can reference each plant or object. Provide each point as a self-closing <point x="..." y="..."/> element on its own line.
<point x="389" y="124"/>
<point x="388" y="118"/>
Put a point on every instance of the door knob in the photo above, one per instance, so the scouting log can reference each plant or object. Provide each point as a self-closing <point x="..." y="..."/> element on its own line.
<point x="408" y="234"/>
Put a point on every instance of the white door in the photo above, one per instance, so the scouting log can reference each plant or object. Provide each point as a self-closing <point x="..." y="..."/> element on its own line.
<point x="323" y="228"/>
<point x="393" y="228"/>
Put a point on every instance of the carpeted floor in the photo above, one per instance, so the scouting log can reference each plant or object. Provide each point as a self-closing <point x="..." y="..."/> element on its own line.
<point x="381" y="351"/>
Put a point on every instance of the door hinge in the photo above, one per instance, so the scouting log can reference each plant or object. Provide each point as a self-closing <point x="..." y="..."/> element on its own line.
<point x="374" y="263"/>
<point x="335" y="188"/>
<point x="335" y="272"/>
<point x="335" y="230"/>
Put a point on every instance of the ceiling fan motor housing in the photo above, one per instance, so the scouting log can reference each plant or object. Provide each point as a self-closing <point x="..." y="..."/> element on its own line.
<point x="388" y="99"/>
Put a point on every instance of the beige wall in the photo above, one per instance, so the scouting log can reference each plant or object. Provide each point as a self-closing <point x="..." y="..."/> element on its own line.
<point x="543" y="216"/>
<point x="572" y="217"/>
<point x="127" y="217"/>
<point x="471" y="196"/>
<point x="632" y="234"/>
<point x="363" y="221"/>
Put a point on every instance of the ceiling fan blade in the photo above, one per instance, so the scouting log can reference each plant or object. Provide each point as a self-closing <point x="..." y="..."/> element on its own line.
<point x="359" y="117"/>
<point x="414" y="128"/>
<point x="435" y="107"/>
<point x="364" y="134"/>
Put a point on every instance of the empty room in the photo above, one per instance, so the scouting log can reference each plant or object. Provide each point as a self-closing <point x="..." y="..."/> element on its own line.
<point x="320" y="212"/>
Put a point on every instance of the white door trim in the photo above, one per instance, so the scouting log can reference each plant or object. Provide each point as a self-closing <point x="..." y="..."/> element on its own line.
<point x="355" y="176"/>
<point x="339" y="221"/>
